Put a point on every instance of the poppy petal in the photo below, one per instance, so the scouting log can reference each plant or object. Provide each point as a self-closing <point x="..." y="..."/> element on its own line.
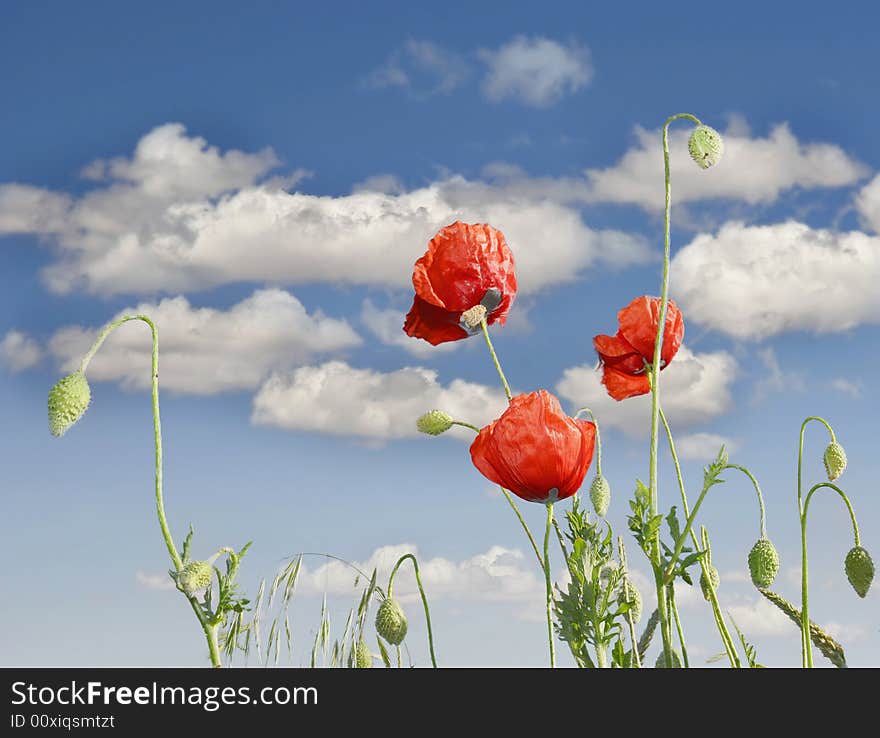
<point x="433" y="324"/>
<point x="622" y="385"/>
<point x="638" y="326"/>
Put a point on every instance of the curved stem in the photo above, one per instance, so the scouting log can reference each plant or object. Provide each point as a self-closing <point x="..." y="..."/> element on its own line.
<point x="805" y="617"/>
<point x="598" y="438"/>
<point x="466" y="425"/>
<point x="424" y="600"/>
<point x="757" y="486"/>
<point x="549" y="585"/>
<point x="824" y="422"/>
<point x="495" y="361"/>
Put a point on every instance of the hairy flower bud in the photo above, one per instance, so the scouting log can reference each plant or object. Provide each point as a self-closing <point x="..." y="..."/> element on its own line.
<point x="363" y="659"/>
<point x="600" y="495"/>
<point x="713" y="578"/>
<point x="68" y="400"/>
<point x="195" y="576"/>
<point x="705" y="146"/>
<point x="630" y="593"/>
<point x="434" y="422"/>
<point x="835" y="460"/>
<point x="660" y="663"/>
<point x="859" y="570"/>
<point x="763" y="563"/>
<point x="391" y="622"/>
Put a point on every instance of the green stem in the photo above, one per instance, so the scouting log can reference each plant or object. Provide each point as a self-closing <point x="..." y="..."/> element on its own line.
<point x="621" y="552"/>
<point x="209" y="629"/>
<point x="424" y="599"/>
<point x="495" y="359"/>
<point x="674" y="608"/>
<point x="598" y="438"/>
<point x="805" y="617"/>
<point x="549" y="585"/>
<point x="655" y="376"/>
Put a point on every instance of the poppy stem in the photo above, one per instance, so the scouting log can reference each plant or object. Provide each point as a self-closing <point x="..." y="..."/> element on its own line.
<point x="674" y="610"/>
<point x="598" y="438"/>
<point x="805" y="617"/>
<point x="424" y="602"/>
<point x="704" y="563"/>
<point x="549" y="585"/>
<point x="495" y="361"/>
<point x="621" y="553"/>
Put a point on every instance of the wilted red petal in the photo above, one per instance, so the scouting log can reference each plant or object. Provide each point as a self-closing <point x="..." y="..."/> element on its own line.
<point x="433" y="324"/>
<point x="534" y="447"/>
<point x="617" y="352"/>
<point x="622" y="384"/>
<point x="638" y="325"/>
<point x="462" y="263"/>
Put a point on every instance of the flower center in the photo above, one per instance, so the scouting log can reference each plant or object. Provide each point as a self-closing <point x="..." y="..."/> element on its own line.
<point x="471" y="319"/>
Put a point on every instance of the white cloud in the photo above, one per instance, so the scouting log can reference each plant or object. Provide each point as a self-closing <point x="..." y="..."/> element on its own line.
<point x="848" y="387"/>
<point x="159" y="582"/>
<point x="694" y="389"/>
<point x="179" y="216"/>
<point x="703" y="446"/>
<point x="338" y="399"/>
<point x="387" y="326"/>
<point x="755" y="170"/>
<point x="773" y="379"/>
<point x="868" y="204"/>
<point x="497" y="575"/>
<point x="205" y="351"/>
<point x="760" y="618"/>
<point x="536" y="71"/>
<point x="845" y="632"/>
<point x="752" y="282"/>
<point x="423" y="68"/>
<point x="18" y="351"/>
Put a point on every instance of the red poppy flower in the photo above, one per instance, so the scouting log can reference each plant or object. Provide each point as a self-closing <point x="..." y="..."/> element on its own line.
<point x="535" y="450"/>
<point x="623" y="356"/>
<point x="466" y="265"/>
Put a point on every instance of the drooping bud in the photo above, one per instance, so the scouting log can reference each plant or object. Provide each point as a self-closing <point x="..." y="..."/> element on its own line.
<point x="859" y="570"/>
<point x="713" y="578"/>
<point x="630" y="593"/>
<point x="391" y="622"/>
<point x="363" y="659"/>
<point x="195" y="576"/>
<point x="68" y="400"/>
<point x="660" y="663"/>
<point x="600" y="495"/>
<point x="434" y="422"/>
<point x="705" y="146"/>
<point x="763" y="563"/>
<point x="835" y="460"/>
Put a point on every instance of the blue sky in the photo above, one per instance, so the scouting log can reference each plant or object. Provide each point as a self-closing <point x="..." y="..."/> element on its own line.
<point x="262" y="180"/>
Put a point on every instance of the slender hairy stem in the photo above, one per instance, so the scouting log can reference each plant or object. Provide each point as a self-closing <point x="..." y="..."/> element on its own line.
<point x="805" y="617"/>
<point x="209" y="628"/>
<point x="806" y="650"/>
<point x="655" y="378"/>
<point x="757" y="491"/>
<point x="549" y="585"/>
<point x="598" y="438"/>
<point x="424" y="600"/>
<point x="621" y="552"/>
<point x="495" y="358"/>
<point x="704" y="565"/>
<point x="674" y="608"/>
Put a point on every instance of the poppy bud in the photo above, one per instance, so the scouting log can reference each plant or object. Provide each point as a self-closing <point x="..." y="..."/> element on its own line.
<point x="660" y="663"/>
<point x="763" y="563"/>
<point x="600" y="495"/>
<point x="363" y="659"/>
<point x="713" y="578"/>
<point x="859" y="570"/>
<point x="606" y="572"/>
<point x="391" y="622"/>
<point x="705" y="146"/>
<point x="68" y="400"/>
<point x="835" y="460"/>
<point x="629" y="592"/>
<point x="434" y="422"/>
<point x="195" y="576"/>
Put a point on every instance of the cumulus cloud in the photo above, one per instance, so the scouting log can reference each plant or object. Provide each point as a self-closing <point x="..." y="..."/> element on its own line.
<point x="755" y="170"/>
<point x="339" y="399"/>
<point x="695" y="386"/>
<point x="18" y="351"/>
<point x="536" y="71"/>
<point x="387" y="325"/>
<point x="848" y="387"/>
<point x="423" y="68"/>
<point x="703" y="446"/>
<point x="159" y="582"/>
<point x="868" y="204"/>
<point x="760" y="618"/>
<point x="752" y="282"/>
<point x="180" y="216"/>
<point x="204" y="350"/>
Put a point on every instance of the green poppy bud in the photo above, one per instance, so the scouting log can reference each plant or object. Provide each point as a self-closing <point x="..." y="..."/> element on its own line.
<point x="859" y="570"/>
<point x="391" y="622"/>
<point x="363" y="659"/>
<point x="763" y="563"/>
<point x="606" y="572"/>
<point x="600" y="495"/>
<point x="434" y="422"/>
<point x="705" y="146"/>
<point x="713" y="578"/>
<point x="660" y="663"/>
<point x="68" y="400"/>
<point x="835" y="460"/>
<point x="195" y="576"/>
<point x="630" y="593"/>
